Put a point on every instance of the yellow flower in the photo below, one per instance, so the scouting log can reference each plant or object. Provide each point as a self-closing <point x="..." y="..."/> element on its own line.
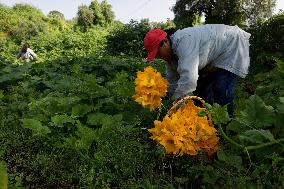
<point x="184" y="132"/>
<point x="150" y="88"/>
<point x="171" y="143"/>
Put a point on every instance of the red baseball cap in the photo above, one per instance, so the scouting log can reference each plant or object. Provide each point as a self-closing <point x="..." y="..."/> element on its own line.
<point x="151" y="42"/>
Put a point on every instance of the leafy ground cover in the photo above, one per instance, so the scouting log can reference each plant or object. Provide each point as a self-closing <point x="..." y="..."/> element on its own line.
<point x="74" y="123"/>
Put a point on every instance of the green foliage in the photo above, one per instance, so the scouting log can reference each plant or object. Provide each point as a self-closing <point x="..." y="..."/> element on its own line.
<point x="8" y="19"/>
<point x="232" y="160"/>
<point x="230" y="12"/>
<point x="169" y="24"/>
<point x="128" y="39"/>
<point x="184" y="18"/>
<point x="258" y="10"/>
<point x="56" y="14"/>
<point x="97" y="12"/>
<point x="22" y="22"/>
<point x="37" y="128"/>
<point x="86" y="135"/>
<point x="267" y="41"/>
<point x="57" y="22"/>
<point x="257" y="114"/>
<point x="281" y="105"/>
<point x="61" y="120"/>
<point x="81" y="110"/>
<point x="120" y="155"/>
<point x="3" y="175"/>
<point x="219" y="113"/>
<point x="56" y="103"/>
<point x="280" y="65"/>
<point x="66" y="43"/>
<point x="256" y="136"/>
<point x="99" y="118"/>
<point x="107" y="12"/>
<point x="69" y="119"/>
<point x="85" y="17"/>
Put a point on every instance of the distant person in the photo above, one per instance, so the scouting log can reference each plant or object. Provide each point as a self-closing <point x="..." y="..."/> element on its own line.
<point x="203" y="59"/>
<point x="26" y="53"/>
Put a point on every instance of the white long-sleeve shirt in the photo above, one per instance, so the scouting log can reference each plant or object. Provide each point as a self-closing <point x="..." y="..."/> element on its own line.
<point x="219" y="45"/>
<point x="27" y="56"/>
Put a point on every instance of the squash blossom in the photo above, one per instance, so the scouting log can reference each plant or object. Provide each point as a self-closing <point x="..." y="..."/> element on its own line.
<point x="150" y="88"/>
<point x="184" y="132"/>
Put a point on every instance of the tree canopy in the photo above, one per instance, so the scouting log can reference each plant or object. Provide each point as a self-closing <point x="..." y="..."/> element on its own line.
<point x="56" y="14"/>
<point x="85" y="16"/>
<point x="98" y="17"/>
<point x="231" y="12"/>
<point x="102" y="14"/>
<point x="107" y="12"/>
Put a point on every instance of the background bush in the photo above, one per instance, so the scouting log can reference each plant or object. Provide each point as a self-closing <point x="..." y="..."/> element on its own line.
<point x="267" y="40"/>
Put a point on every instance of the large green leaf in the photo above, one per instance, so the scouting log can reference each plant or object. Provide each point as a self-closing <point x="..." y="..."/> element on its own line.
<point x="280" y="64"/>
<point x="280" y="107"/>
<point x="86" y="135"/>
<point x="1" y="94"/>
<point x="232" y="160"/>
<point x="219" y="114"/>
<point x="98" y="118"/>
<point x="279" y="122"/>
<point x="81" y="109"/>
<point x="257" y="114"/>
<point x="261" y="169"/>
<point x="60" y="120"/>
<point x="37" y="128"/>
<point x="3" y="176"/>
<point x="256" y="136"/>
<point x="103" y="119"/>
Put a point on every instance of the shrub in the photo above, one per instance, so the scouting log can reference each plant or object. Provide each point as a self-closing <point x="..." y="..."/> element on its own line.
<point x="267" y="39"/>
<point x="128" y="39"/>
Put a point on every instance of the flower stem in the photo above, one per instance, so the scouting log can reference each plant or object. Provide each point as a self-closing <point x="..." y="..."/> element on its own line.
<point x="248" y="147"/>
<point x="264" y="144"/>
<point x="228" y="139"/>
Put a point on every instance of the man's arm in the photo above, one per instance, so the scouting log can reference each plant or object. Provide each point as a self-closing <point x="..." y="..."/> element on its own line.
<point x="188" y="53"/>
<point x="172" y="77"/>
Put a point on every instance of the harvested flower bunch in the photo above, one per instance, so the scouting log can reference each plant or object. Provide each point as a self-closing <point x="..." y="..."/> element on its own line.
<point x="150" y="88"/>
<point x="185" y="132"/>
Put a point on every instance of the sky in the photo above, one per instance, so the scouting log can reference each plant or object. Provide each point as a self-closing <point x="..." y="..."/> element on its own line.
<point x="125" y="10"/>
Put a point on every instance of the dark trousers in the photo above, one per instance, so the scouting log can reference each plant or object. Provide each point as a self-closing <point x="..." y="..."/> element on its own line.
<point x="218" y="87"/>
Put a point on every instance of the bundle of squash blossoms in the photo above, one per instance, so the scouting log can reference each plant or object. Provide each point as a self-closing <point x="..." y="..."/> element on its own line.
<point x="150" y="88"/>
<point x="185" y="132"/>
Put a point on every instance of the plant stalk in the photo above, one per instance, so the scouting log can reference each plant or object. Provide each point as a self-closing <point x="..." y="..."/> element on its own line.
<point x="248" y="147"/>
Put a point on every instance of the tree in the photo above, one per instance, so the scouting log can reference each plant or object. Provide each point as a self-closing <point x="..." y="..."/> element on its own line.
<point x="56" y="14"/>
<point x="57" y="20"/>
<point x="107" y="12"/>
<point x="224" y="12"/>
<point x="98" y="17"/>
<point x="27" y="20"/>
<point x="256" y="10"/>
<point x="85" y="16"/>
<point x="185" y="17"/>
<point x="26" y="8"/>
<point x="127" y="39"/>
<point x="163" y="25"/>
<point x="239" y="12"/>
